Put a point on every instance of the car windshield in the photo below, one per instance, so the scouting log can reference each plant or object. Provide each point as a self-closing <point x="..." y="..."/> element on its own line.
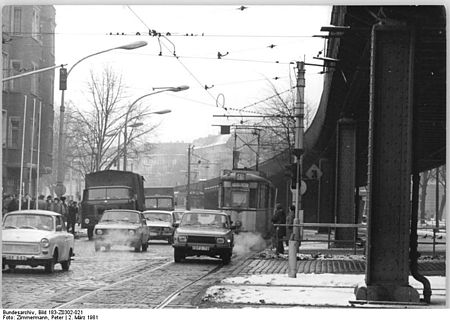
<point x="109" y="193"/>
<point x="204" y="219"/>
<point x="29" y="221"/>
<point x="120" y="216"/>
<point x="158" y="216"/>
<point x="178" y="215"/>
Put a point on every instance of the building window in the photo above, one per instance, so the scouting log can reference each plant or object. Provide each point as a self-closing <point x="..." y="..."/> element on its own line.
<point x="36" y="25"/>
<point x="34" y="79"/>
<point x="14" y="132"/>
<point x="4" y="127"/>
<point x="17" y="21"/>
<point x="16" y="66"/>
<point x="5" y="69"/>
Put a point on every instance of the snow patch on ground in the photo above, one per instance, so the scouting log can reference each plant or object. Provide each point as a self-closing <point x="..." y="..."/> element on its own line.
<point x="305" y="290"/>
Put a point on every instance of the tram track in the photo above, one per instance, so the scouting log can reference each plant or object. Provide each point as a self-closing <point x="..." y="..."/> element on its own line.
<point x="176" y="293"/>
<point x="103" y="288"/>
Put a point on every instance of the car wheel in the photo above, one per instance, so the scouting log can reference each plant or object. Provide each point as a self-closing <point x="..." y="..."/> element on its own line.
<point x="226" y="258"/>
<point x="178" y="255"/>
<point x="66" y="264"/>
<point x="50" y="266"/>
<point x="137" y="247"/>
<point x="144" y="247"/>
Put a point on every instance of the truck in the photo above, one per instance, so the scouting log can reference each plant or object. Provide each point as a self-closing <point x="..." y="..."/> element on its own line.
<point x="110" y="189"/>
<point x="159" y="198"/>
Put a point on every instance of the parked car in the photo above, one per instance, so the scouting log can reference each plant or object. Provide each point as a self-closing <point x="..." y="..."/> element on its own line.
<point x="36" y="238"/>
<point x="161" y="225"/>
<point x="204" y="232"/>
<point x="121" y="227"/>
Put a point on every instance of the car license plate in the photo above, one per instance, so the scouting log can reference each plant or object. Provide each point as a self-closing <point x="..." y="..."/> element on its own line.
<point x="16" y="257"/>
<point x="200" y="247"/>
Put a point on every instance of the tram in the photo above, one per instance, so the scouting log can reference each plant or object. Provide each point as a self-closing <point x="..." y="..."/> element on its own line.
<point x="248" y="196"/>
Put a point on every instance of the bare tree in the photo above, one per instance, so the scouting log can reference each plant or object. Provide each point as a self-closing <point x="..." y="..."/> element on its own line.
<point x="95" y="135"/>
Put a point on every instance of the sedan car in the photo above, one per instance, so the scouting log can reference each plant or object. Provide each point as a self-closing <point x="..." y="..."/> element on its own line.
<point x="121" y="227"/>
<point x="160" y="224"/>
<point x="36" y="238"/>
<point x="204" y="232"/>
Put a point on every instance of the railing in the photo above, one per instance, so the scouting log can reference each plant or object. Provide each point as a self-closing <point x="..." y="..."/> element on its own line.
<point x="330" y="227"/>
<point x="435" y="230"/>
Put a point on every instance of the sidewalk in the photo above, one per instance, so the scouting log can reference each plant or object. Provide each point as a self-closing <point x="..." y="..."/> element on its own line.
<point x="325" y="278"/>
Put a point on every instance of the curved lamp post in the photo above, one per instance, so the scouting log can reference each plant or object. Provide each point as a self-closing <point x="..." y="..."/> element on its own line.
<point x="160" y="112"/>
<point x="60" y="188"/>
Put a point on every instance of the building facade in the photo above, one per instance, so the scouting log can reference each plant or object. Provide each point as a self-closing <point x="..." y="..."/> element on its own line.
<point x="28" y="43"/>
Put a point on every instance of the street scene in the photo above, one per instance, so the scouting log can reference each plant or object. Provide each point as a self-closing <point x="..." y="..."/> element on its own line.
<point x="223" y="157"/>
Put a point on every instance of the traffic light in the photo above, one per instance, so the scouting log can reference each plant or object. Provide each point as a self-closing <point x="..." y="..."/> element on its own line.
<point x="62" y="78"/>
<point x="293" y="175"/>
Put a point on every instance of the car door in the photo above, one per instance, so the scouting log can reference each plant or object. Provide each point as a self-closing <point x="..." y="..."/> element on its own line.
<point x="63" y="239"/>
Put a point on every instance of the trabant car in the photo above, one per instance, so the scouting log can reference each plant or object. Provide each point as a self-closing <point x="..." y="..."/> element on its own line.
<point x="36" y="238"/>
<point x="121" y="227"/>
<point x="204" y="232"/>
<point x="160" y="224"/>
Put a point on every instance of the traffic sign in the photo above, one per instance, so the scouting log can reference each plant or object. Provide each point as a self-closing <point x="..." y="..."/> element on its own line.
<point x="314" y="172"/>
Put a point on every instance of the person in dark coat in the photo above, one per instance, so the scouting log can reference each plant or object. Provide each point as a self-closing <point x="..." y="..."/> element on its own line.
<point x="290" y="220"/>
<point x="13" y="204"/>
<point x="42" y="205"/>
<point x="280" y="218"/>
<point x="72" y="217"/>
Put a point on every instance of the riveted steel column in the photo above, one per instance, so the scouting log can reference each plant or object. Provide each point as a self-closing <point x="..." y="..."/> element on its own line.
<point x="345" y="181"/>
<point x="325" y="207"/>
<point x="390" y="163"/>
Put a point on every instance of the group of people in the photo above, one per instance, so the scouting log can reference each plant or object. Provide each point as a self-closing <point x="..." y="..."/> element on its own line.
<point x="280" y="217"/>
<point x="68" y="211"/>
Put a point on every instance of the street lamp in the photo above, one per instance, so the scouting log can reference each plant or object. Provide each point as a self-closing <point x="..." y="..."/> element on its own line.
<point x="60" y="189"/>
<point x="125" y="134"/>
<point x="160" y="112"/>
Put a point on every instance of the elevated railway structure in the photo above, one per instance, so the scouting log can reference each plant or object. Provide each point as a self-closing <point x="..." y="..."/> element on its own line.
<point x="381" y="121"/>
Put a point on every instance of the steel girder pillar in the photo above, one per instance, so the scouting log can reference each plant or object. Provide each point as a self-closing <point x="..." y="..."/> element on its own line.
<point x="345" y="181"/>
<point x="325" y="204"/>
<point x="389" y="166"/>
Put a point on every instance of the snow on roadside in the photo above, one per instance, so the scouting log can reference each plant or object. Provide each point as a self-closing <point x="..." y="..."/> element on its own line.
<point x="306" y="289"/>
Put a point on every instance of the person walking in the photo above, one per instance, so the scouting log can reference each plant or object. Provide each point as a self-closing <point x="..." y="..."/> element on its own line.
<point x="42" y="205"/>
<point x="72" y="217"/>
<point x="289" y="221"/>
<point x="279" y="218"/>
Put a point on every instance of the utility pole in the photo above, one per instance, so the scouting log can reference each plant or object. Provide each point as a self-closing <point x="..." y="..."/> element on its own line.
<point x="299" y="112"/>
<point x="188" y="186"/>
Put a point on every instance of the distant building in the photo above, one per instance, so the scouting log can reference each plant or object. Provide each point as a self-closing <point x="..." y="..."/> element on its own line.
<point x="28" y="43"/>
<point x="165" y="165"/>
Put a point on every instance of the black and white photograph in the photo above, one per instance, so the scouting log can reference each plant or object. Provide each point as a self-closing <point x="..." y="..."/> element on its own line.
<point x="236" y="157"/>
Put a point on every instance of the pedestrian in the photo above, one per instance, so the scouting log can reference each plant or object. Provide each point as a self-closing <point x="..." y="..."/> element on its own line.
<point x="279" y="218"/>
<point x="50" y="204"/>
<point x="289" y="221"/>
<point x="42" y="205"/>
<point x="72" y="217"/>
<point x="13" y="204"/>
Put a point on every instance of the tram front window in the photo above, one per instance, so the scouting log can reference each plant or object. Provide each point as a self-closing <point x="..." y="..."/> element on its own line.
<point x="235" y="198"/>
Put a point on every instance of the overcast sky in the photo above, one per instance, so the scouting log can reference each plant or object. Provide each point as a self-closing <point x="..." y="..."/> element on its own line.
<point x="254" y="38"/>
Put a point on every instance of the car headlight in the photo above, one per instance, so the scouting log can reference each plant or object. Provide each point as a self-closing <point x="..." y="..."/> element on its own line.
<point x="131" y="232"/>
<point x="86" y="220"/>
<point x="99" y="232"/>
<point x="220" y="240"/>
<point x="182" y="238"/>
<point x="45" y="243"/>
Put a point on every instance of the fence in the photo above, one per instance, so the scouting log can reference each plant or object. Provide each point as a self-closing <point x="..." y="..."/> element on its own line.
<point x="331" y="227"/>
